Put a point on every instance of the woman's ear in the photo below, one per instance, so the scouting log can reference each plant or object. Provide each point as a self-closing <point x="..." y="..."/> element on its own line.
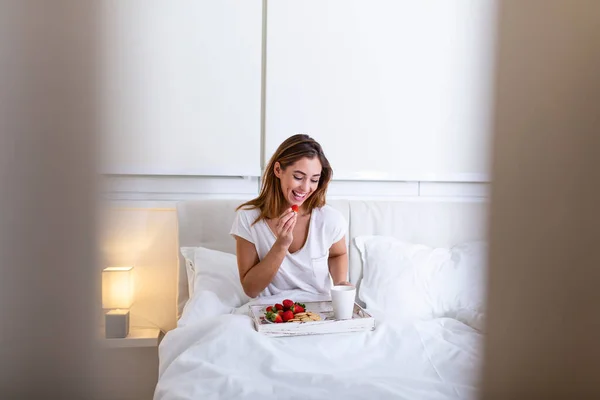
<point x="277" y="169"/>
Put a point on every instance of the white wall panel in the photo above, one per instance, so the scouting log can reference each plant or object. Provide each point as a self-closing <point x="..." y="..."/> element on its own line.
<point x="182" y="87"/>
<point x="392" y="89"/>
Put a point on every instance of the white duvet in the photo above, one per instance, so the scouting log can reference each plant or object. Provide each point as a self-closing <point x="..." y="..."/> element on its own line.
<point x="215" y="353"/>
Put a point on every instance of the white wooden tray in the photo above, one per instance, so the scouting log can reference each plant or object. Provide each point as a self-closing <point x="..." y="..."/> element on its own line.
<point x="361" y="321"/>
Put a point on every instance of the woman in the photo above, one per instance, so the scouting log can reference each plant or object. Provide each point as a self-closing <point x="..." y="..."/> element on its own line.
<point x="280" y="249"/>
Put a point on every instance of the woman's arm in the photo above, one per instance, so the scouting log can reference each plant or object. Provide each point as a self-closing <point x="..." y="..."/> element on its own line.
<point x="255" y="275"/>
<point x="338" y="262"/>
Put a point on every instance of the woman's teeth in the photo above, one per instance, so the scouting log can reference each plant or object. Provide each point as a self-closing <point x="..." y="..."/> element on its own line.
<point x="298" y="196"/>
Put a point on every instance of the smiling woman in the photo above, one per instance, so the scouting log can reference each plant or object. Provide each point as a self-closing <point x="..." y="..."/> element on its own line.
<point x="287" y="237"/>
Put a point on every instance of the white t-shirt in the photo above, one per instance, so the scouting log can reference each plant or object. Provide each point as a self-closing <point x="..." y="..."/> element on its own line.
<point x="306" y="269"/>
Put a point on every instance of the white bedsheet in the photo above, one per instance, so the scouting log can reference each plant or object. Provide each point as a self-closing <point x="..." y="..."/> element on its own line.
<point x="215" y="353"/>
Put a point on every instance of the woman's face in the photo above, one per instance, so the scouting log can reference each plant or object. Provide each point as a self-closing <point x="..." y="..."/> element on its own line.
<point x="299" y="180"/>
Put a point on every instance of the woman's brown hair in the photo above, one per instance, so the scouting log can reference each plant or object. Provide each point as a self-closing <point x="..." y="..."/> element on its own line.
<point x="270" y="199"/>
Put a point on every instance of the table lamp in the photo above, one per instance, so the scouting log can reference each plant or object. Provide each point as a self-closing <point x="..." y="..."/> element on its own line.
<point x="117" y="298"/>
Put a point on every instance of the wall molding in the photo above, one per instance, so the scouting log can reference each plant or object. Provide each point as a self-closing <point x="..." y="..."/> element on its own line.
<point x="463" y="189"/>
<point x="165" y="191"/>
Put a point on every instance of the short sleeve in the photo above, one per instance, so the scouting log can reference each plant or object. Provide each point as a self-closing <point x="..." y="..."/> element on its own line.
<point x="241" y="226"/>
<point x="339" y="226"/>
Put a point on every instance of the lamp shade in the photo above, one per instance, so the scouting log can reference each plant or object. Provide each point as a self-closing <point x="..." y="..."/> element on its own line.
<point x="117" y="287"/>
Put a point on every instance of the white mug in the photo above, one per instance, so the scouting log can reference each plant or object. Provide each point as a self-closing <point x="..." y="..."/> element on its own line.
<point x="342" y="298"/>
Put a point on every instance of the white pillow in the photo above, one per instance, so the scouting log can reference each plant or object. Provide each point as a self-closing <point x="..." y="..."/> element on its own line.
<point x="214" y="271"/>
<point x="411" y="281"/>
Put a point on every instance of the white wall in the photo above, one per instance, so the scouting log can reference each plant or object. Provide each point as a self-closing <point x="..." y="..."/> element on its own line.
<point x="160" y="127"/>
<point x="181" y="87"/>
<point x="393" y="89"/>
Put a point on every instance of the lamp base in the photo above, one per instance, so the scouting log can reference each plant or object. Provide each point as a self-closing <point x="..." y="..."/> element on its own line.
<point x="116" y="324"/>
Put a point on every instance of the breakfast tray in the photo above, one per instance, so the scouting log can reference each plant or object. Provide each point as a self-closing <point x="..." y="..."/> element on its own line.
<point x="361" y="321"/>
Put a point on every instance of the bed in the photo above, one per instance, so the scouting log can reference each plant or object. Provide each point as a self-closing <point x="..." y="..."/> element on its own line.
<point x="419" y="267"/>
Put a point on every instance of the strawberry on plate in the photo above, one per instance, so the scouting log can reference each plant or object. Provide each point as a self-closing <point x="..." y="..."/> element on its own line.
<point x="287" y="315"/>
<point x="274" y="317"/>
<point x="287" y="304"/>
<point x="286" y="312"/>
<point x="270" y="316"/>
<point x="297" y="309"/>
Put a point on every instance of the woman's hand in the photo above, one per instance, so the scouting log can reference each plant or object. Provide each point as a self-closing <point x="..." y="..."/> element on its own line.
<point x="285" y="228"/>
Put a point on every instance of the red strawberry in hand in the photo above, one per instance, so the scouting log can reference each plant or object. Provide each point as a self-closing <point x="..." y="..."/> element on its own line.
<point x="287" y="315"/>
<point x="295" y="208"/>
<point x="287" y="304"/>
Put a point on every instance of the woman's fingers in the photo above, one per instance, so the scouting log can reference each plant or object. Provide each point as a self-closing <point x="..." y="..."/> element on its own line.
<point x="285" y="218"/>
<point x="289" y="223"/>
<point x="285" y="229"/>
<point x="289" y="226"/>
<point x="285" y="232"/>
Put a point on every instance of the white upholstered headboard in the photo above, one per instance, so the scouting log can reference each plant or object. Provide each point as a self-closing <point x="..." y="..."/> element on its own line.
<point x="435" y="222"/>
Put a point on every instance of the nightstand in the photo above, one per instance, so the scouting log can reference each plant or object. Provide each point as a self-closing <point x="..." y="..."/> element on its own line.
<point x="129" y="366"/>
<point x="138" y="337"/>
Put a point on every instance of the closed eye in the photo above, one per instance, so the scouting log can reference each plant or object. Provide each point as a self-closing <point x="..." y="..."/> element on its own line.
<point x="300" y="178"/>
<point x="299" y="175"/>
